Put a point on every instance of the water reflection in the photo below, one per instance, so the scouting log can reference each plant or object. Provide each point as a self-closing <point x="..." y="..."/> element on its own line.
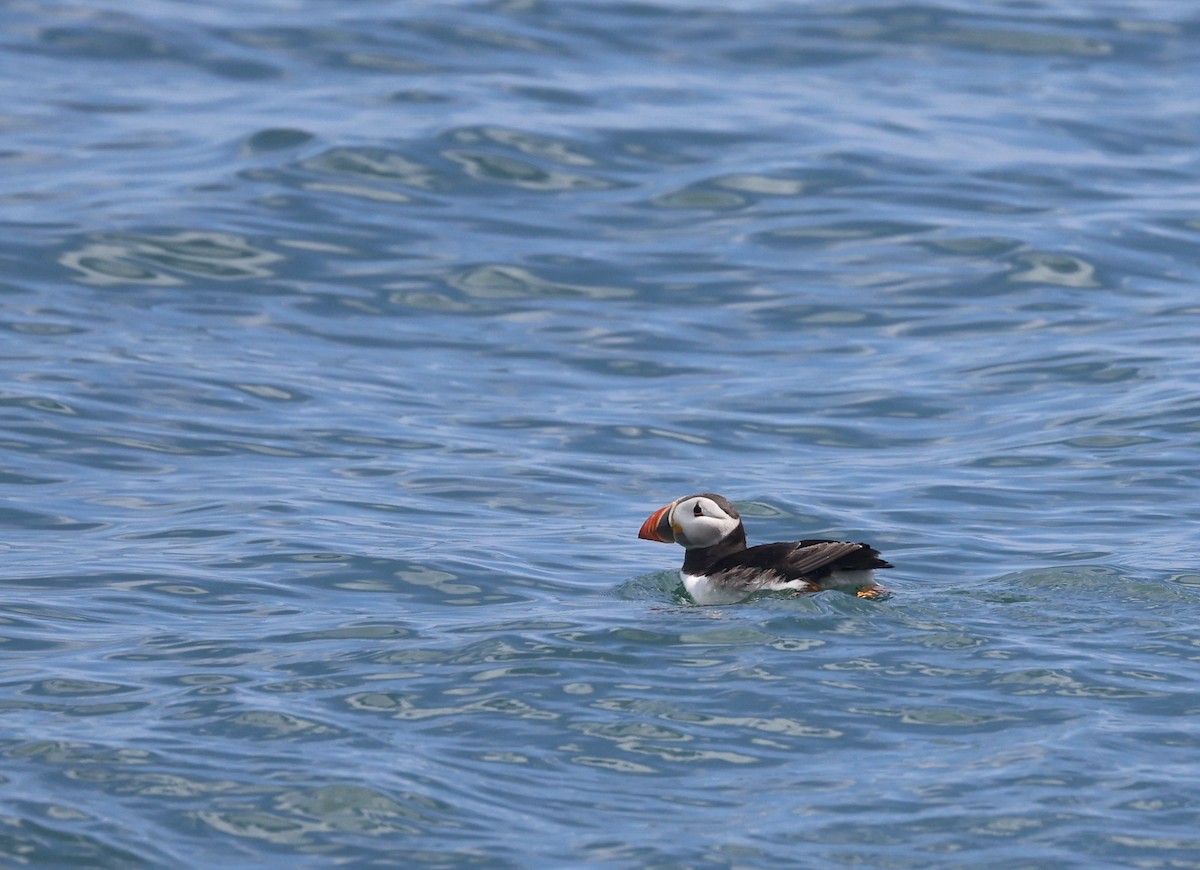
<point x="164" y="260"/>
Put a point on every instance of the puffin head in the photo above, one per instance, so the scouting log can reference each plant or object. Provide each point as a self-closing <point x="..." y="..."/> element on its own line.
<point x="692" y="521"/>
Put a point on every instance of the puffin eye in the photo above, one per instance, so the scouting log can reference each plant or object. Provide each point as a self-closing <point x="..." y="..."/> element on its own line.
<point x="696" y="512"/>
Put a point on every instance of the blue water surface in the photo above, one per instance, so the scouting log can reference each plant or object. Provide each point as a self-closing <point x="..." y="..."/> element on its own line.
<point x="345" y="347"/>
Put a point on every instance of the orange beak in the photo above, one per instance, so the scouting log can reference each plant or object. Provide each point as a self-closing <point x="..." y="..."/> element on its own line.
<point x="658" y="526"/>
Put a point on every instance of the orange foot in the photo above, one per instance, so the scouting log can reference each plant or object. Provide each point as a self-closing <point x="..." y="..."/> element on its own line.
<point x="874" y="593"/>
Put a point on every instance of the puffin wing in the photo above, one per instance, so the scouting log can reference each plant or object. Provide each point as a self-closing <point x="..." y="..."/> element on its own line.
<point x="791" y="565"/>
<point x="808" y="558"/>
<point x="803" y="560"/>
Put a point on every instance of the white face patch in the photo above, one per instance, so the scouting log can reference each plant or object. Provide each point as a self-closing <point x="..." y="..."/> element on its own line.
<point x="700" y="522"/>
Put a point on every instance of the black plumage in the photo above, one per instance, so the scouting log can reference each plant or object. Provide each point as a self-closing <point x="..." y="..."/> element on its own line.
<point x="732" y="563"/>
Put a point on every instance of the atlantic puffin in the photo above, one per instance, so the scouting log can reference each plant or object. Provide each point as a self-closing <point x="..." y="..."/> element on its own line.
<point x="718" y="567"/>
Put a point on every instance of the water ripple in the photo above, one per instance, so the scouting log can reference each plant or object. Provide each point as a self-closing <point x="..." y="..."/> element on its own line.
<point x="346" y="350"/>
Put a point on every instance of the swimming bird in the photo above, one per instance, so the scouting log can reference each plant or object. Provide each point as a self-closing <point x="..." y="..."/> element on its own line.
<point x="718" y="567"/>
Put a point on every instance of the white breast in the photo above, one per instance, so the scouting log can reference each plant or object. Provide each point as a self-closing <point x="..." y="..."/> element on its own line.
<point x="704" y="591"/>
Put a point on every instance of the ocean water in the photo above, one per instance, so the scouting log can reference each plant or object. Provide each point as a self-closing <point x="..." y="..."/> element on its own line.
<point x="345" y="346"/>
